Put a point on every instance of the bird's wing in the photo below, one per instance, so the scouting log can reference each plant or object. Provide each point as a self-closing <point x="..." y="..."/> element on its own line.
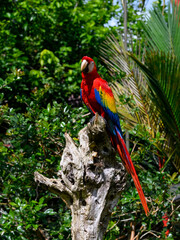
<point x="104" y="96"/>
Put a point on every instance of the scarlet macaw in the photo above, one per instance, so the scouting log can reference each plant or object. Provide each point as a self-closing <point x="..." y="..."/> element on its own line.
<point x="98" y="97"/>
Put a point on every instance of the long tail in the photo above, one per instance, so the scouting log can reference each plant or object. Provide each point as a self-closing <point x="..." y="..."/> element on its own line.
<point x="126" y="159"/>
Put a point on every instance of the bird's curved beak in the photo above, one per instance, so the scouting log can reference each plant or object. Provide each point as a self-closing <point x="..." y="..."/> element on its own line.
<point x="84" y="66"/>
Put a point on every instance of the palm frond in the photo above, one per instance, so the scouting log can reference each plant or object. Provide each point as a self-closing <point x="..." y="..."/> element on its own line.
<point x="162" y="71"/>
<point x="157" y="32"/>
<point x="164" y="35"/>
<point x="115" y="57"/>
<point x="157" y="91"/>
<point x="163" y="74"/>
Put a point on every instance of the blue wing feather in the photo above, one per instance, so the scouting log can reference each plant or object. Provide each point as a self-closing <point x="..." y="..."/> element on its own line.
<point x="112" y="116"/>
<point x="81" y="94"/>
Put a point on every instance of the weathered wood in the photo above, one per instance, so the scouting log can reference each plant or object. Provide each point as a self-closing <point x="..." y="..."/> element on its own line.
<point x="90" y="181"/>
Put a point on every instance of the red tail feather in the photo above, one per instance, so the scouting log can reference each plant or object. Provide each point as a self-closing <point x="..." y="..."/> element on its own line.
<point x="126" y="159"/>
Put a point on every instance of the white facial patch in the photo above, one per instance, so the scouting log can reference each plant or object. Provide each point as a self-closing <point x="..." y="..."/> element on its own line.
<point x="91" y="66"/>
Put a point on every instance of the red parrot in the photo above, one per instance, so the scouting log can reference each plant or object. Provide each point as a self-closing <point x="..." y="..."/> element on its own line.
<point x="98" y="97"/>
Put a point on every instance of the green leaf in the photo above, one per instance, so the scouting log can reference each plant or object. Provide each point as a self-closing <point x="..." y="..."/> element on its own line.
<point x="20" y="229"/>
<point x="49" y="107"/>
<point x="50" y="211"/>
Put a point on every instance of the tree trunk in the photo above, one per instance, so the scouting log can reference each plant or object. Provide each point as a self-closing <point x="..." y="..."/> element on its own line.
<point x="125" y="46"/>
<point x="90" y="181"/>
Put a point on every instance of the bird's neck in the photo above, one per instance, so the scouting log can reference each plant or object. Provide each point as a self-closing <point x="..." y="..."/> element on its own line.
<point x="90" y="77"/>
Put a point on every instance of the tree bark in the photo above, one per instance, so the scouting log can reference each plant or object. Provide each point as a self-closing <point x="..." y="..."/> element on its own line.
<point x="90" y="181"/>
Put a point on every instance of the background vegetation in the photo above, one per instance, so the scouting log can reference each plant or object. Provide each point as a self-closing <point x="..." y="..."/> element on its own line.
<point x="41" y="45"/>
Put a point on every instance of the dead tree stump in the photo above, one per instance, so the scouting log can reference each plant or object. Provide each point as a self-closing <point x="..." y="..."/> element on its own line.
<point x="90" y="181"/>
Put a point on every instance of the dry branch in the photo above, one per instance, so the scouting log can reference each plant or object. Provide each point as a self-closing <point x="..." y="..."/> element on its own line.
<point x="90" y="181"/>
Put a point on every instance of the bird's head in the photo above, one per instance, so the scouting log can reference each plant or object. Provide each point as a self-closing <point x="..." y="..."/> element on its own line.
<point x="88" y="65"/>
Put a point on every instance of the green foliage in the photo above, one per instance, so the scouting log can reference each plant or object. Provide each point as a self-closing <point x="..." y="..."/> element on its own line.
<point x="162" y="72"/>
<point x="34" y="142"/>
<point x="162" y="30"/>
<point x="156" y="186"/>
<point x="68" y="30"/>
<point x="135" y="15"/>
<point x="41" y="44"/>
<point x="149" y="106"/>
<point x="156" y="92"/>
